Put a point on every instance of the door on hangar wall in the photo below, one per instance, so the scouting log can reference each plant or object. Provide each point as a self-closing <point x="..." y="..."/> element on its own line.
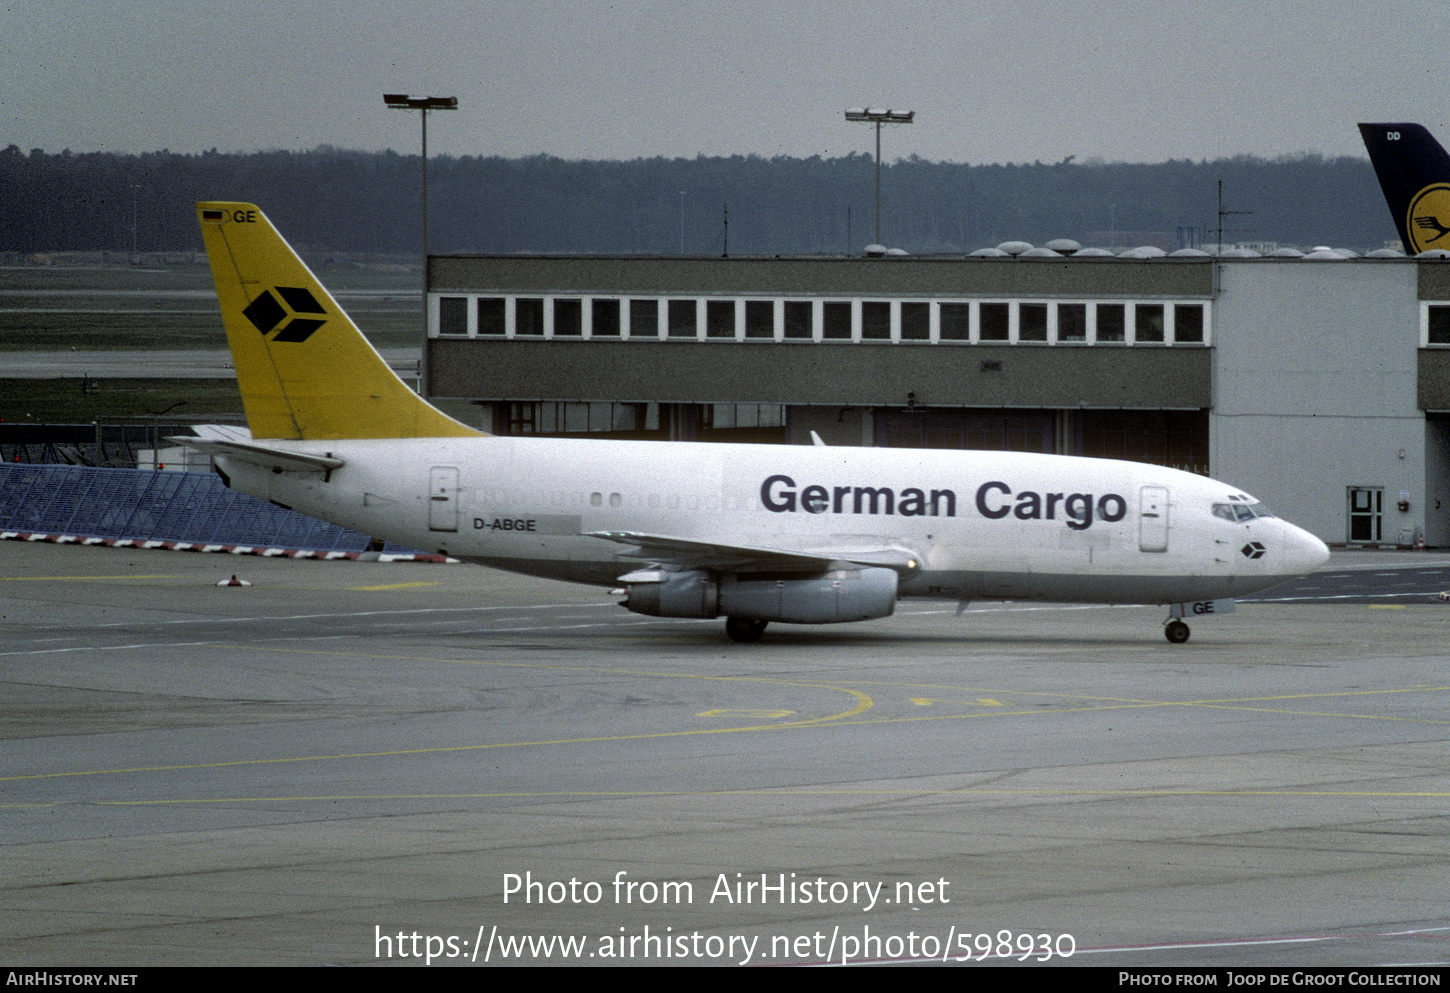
<point x="1366" y="513"/>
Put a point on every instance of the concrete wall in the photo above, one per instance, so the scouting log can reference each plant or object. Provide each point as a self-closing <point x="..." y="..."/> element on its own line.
<point x="1315" y="386"/>
<point x="877" y="374"/>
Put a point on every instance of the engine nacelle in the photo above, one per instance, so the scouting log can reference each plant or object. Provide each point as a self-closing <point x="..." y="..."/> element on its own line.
<point x="831" y="597"/>
<point x="671" y="594"/>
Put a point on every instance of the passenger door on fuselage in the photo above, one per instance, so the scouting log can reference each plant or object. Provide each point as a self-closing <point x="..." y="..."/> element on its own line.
<point x="1153" y="519"/>
<point x="443" y="498"/>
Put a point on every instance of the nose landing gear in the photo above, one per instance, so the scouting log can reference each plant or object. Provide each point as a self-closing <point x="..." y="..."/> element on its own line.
<point x="1177" y="632"/>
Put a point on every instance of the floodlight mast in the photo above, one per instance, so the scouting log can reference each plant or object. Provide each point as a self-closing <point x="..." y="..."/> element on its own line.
<point x="869" y="115"/>
<point x="402" y="101"/>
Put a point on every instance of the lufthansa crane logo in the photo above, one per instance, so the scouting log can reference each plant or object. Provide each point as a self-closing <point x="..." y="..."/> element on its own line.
<point x="1429" y="219"/>
<point x="267" y="314"/>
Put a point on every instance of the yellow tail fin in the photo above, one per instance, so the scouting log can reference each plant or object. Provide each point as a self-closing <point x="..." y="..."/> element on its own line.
<point x="305" y="370"/>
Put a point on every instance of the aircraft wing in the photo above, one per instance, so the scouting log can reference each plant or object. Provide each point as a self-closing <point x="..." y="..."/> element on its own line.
<point x="691" y="553"/>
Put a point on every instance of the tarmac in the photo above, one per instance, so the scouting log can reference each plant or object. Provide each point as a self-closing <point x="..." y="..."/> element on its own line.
<point x="358" y="763"/>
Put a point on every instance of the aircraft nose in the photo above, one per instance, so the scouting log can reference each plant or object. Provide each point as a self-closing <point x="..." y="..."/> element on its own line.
<point x="1303" y="553"/>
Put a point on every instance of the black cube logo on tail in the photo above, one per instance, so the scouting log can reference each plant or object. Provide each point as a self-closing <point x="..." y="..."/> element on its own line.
<point x="267" y="314"/>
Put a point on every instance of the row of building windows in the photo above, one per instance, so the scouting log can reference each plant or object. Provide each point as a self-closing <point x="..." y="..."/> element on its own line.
<point x="965" y="321"/>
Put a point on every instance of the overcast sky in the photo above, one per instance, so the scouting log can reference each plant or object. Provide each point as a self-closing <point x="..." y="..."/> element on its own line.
<point x="990" y="80"/>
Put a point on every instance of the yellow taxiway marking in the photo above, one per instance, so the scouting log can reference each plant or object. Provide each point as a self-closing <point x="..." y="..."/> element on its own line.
<point x="754" y="715"/>
<point x="926" y="701"/>
<point x="441" y="750"/>
<point x="1092" y="702"/>
<point x="849" y="717"/>
<point x="863" y="704"/>
<point x="1386" y="606"/>
<point x="393" y="586"/>
<point x="834" y="720"/>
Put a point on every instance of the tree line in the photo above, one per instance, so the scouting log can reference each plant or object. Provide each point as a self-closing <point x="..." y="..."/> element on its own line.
<point x="336" y="200"/>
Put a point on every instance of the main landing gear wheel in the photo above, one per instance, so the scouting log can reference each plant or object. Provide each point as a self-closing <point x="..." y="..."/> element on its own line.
<point x="1176" y="631"/>
<point x="743" y="629"/>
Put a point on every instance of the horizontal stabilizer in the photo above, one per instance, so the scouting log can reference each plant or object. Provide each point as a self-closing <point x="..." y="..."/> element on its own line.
<point x="267" y="458"/>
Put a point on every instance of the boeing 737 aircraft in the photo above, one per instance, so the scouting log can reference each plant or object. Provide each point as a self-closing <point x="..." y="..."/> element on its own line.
<point x="753" y="533"/>
<point x="1414" y="173"/>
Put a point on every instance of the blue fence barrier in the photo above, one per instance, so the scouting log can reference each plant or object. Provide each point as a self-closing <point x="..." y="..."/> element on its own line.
<point x="158" y="505"/>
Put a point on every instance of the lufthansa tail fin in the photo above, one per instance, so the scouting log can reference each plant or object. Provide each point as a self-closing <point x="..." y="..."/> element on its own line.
<point x="305" y="371"/>
<point x="1414" y="173"/>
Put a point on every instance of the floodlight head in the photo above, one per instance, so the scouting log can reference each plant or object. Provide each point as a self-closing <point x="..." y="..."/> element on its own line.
<point x="402" y="101"/>
<point x="873" y="116"/>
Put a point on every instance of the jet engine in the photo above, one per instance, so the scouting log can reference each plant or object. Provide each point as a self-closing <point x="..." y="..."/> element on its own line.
<point x="825" y="598"/>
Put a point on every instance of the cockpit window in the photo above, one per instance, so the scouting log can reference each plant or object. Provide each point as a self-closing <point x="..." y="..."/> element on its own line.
<point x="1240" y="512"/>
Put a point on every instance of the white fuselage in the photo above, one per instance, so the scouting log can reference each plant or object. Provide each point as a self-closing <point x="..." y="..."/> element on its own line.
<point x="977" y="524"/>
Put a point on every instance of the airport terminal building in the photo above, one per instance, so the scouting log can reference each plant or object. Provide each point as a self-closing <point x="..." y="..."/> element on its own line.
<point x="1319" y="384"/>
